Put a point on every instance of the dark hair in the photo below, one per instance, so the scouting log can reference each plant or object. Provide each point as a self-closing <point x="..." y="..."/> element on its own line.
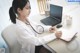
<point x="13" y="10"/>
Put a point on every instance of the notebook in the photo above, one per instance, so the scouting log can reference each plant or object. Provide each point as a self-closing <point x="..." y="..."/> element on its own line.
<point x="68" y="34"/>
<point x="55" y="15"/>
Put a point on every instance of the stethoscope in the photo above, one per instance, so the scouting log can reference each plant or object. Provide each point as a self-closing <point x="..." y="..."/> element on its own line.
<point x="40" y="29"/>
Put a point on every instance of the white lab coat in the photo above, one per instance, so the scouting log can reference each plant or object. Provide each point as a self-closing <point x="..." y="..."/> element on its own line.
<point x="28" y="38"/>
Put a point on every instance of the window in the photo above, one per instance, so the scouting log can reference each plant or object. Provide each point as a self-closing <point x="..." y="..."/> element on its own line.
<point x="43" y="6"/>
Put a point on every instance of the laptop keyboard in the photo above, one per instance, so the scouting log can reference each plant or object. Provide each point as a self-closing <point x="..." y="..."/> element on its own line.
<point x="50" y="21"/>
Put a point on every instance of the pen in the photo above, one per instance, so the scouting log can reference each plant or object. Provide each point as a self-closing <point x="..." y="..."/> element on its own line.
<point x="76" y="33"/>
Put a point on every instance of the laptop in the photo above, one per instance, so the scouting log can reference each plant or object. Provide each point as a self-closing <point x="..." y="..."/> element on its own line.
<point x="55" y="16"/>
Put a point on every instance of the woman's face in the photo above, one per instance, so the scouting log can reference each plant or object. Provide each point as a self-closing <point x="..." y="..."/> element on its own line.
<point x="25" y="11"/>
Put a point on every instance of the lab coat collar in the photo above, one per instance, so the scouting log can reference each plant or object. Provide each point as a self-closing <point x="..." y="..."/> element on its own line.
<point x="19" y="22"/>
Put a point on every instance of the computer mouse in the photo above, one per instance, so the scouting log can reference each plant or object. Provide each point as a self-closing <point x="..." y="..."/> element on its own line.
<point x="59" y="26"/>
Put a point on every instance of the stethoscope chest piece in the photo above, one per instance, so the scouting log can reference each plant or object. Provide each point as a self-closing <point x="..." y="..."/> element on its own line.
<point x="39" y="29"/>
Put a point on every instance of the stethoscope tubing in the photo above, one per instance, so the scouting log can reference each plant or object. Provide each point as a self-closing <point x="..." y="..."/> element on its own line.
<point x="35" y="30"/>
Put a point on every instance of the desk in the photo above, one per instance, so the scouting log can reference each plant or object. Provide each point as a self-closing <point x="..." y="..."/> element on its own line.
<point x="61" y="46"/>
<point x="74" y="46"/>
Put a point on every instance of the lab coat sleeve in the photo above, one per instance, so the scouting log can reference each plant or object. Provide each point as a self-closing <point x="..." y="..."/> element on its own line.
<point x="27" y="37"/>
<point x="46" y="28"/>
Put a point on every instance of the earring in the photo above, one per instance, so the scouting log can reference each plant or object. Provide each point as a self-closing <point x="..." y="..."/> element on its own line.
<point x="16" y="15"/>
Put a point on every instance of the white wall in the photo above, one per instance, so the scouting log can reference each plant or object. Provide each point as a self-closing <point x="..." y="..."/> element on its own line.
<point x="64" y="2"/>
<point x="4" y="15"/>
<point x="34" y="7"/>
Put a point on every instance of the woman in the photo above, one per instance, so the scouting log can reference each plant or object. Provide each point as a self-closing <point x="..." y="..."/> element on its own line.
<point x="25" y="28"/>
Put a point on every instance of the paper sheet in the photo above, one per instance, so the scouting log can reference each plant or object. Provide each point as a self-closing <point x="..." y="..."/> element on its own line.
<point x="67" y="34"/>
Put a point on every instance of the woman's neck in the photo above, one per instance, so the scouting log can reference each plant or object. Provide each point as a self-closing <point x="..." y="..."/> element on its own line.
<point x="23" y="19"/>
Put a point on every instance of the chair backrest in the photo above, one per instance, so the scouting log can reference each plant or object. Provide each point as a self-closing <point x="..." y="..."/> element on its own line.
<point x="9" y="35"/>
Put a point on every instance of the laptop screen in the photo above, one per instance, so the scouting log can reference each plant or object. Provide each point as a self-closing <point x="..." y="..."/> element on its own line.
<point x="56" y="11"/>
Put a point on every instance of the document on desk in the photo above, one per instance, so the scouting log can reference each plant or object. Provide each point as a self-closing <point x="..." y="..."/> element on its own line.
<point x="67" y="34"/>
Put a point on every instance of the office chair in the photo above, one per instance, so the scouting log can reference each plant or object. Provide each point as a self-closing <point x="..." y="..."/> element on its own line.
<point x="9" y="36"/>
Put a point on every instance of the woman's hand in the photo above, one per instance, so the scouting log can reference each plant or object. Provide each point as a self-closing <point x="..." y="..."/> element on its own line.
<point x="58" y="34"/>
<point x="52" y="29"/>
